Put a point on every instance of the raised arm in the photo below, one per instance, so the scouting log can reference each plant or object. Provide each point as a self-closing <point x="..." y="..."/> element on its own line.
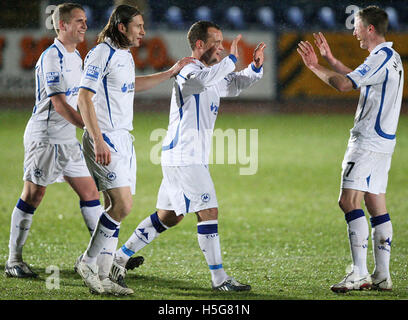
<point x="143" y="83"/>
<point x="325" y="51"/>
<point x="86" y="106"/>
<point x="332" y="78"/>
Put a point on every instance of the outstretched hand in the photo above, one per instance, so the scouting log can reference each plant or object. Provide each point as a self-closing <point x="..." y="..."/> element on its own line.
<point x="306" y="51"/>
<point x="259" y="54"/>
<point x="321" y="43"/>
<point x="234" y="45"/>
<point x="175" y="69"/>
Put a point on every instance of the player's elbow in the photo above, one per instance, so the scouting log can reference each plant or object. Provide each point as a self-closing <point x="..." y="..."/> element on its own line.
<point x="341" y="84"/>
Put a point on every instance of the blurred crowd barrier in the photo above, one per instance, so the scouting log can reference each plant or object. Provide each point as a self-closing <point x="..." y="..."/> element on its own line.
<point x="285" y="75"/>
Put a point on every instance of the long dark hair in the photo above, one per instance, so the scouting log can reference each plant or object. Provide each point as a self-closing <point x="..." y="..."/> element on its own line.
<point x="121" y="14"/>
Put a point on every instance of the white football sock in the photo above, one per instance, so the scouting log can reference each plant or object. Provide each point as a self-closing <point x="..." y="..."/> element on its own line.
<point x="21" y="220"/>
<point x="147" y="230"/>
<point x="105" y="229"/>
<point x="382" y="238"/>
<point x="105" y="257"/>
<point x="91" y="211"/>
<point x="209" y="242"/>
<point x="358" y="232"/>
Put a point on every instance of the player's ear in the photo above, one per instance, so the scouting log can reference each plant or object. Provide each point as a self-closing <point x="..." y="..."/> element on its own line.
<point x="121" y="28"/>
<point x="199" y="44"/>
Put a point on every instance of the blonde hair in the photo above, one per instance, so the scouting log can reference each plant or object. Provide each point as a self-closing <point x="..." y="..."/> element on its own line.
<point x="63" y="13"/>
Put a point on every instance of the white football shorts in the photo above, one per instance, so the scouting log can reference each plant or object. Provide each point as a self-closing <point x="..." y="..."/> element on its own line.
<point x="121" y="172"/>
<point x="46" y="163"/>
<point x="186" y="189"/>
<point x="365" y="170"/>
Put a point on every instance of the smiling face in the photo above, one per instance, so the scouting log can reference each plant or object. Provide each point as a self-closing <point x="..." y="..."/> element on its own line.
<point x="134" y="31"/>
<point x="213" y="47"/>
<point x="362" y="32"/>
<point x="75" y="29"/>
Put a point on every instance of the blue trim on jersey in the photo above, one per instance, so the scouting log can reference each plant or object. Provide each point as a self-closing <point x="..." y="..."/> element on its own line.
<point x="389" y="53"/>
<point x="173" y="143"/>
<point x="24" y="206"/>
<point x="197" y="99"/>
<point x="107" y="140"/>
<point x="255" y="69"/>
<point x="111" y="52"/>
<point x="56" y="151"/>
<point x="187" y="201"/>
<point x="181" y="76"/>
<point x="233" y="58"/>
<point x="105" y="87"/>
<point x="215" y="266"/>
<point x="54" y="94"/>
<point x="368" y="180"/>
<point x="377" y="122"/>
<point x="92" y="90"/>
<point x="365" y="100"/>
<point x="355" y="86"/>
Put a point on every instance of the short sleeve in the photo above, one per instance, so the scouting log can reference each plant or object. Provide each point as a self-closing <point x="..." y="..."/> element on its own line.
<point x="95" y="65"/>
<point x="54" y="82"/>
<point x="372" y="71"/>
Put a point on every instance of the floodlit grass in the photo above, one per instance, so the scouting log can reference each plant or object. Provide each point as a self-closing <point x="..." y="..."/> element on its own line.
<point x="281" y="229"/>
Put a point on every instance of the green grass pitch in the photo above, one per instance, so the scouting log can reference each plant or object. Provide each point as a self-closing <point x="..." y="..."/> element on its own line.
<point x="280" y="230"/>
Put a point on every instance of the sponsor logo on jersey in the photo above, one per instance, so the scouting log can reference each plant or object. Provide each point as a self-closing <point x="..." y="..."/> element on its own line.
<point x="73" y="91"/>
<point x="214" y="108"/>
<point x="53" y="78"/>
<point x="128" y="87"/>
<point x="92" y="73"/>
<point x="205" y="197"/>
<point x="363" y="69"/>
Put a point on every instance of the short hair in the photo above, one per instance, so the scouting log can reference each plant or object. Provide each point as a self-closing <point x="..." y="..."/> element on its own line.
<point x="63" y="13"/>
<point x="199" y="31"/>
<point x="375" y="16"/>
<point x="121" y="14"/>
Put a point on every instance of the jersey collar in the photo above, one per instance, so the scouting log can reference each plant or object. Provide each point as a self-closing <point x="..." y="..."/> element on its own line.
<point x="381" y="45"/>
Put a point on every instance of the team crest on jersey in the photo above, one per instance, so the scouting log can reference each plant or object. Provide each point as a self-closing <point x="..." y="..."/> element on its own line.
<point x="38" y="173"/>
<point x="53" y="78"/>
<point x="111" y="176"/>
<point x="214" y="108"/>
<point x="363" y="69"/>
<point x="92" y="73"/>
<point x="205" y="197"/>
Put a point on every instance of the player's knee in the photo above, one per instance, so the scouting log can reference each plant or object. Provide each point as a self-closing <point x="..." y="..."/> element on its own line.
<point x="207" y="214"/>
<point x="169" y="218"/>
<point x="34" y="196"/>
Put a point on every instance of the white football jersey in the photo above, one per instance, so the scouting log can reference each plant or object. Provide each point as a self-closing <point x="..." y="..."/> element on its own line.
<point x="195" y="102"/>
<point x="109" y="72"/>
<point x="381" y="81"/>
<point x="57" y="71"/>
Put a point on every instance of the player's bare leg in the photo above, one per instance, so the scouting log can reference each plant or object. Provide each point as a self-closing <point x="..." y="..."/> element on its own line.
<point x="21" y="220"/>
<point x="358" y="233"/>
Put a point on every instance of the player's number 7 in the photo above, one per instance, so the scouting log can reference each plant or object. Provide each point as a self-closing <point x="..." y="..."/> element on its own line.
<point x="351" y="165"/>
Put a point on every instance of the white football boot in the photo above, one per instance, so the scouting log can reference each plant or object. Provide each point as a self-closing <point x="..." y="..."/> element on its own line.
<point x="352" y="281"/>
<point x="381" y="284"/>
<point x="89" y="273"/>
<point x="111" y="287"/>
